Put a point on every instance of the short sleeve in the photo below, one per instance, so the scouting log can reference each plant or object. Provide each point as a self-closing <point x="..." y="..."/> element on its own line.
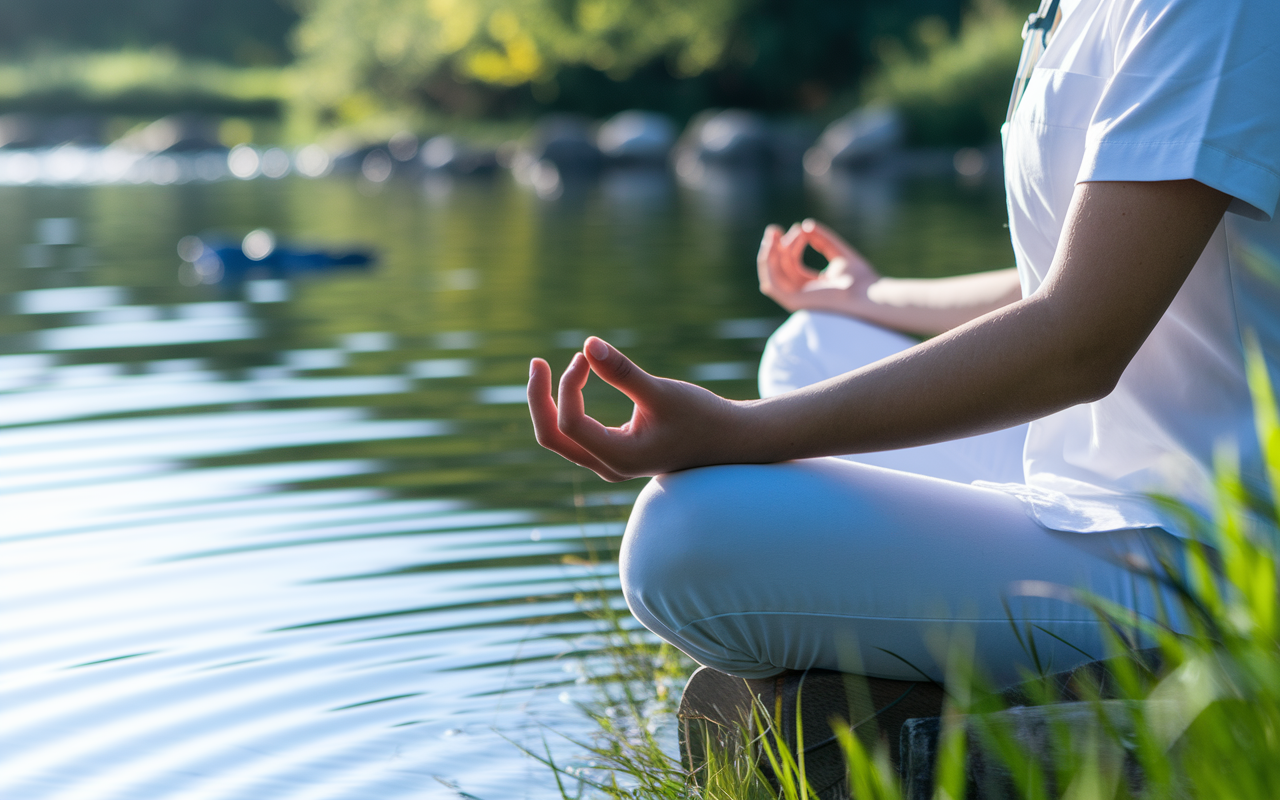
<point x="1195" y="94"/>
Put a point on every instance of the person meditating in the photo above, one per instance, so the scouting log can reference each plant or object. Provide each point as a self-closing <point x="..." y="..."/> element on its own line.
<point x="882" y="489"/>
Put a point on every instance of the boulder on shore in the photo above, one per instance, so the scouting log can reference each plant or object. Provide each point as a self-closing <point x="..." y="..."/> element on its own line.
<point x="637" y="137"/>
<point x="176" y="133"/>
<point x="857" y="139"/>
<point x="21" y="130"/>
<point x="731" y="137"/>
<point x="447" y="154"/>
<point x="564" y="140"/>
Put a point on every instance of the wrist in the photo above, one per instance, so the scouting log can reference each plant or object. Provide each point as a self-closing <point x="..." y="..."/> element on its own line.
<point x="756" y="437"/>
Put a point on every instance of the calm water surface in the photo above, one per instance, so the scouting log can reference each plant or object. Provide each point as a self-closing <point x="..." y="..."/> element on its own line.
<point x="294" y="539"/>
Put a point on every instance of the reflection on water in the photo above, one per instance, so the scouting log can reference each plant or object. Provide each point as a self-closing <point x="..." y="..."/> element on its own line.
<point x="294" y="539"/>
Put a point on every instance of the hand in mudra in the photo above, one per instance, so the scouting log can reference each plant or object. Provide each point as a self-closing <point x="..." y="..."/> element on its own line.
<point x="995" y="359"/>
<point x="675" y="425"/>
<point x="841" y="287"/>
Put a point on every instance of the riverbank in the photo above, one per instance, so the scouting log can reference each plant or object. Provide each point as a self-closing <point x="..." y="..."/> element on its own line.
<point x="730" y="145"/>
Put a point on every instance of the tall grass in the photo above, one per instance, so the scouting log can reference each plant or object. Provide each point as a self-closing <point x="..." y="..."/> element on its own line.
<point x="1205" y="723"/>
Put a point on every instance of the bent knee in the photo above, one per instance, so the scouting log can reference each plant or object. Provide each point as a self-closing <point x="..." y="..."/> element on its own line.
<point x="676" y="573"/>
<point x="654" y="562"/>
<point x="812" y="346"/>
<point x="675" y="543"/>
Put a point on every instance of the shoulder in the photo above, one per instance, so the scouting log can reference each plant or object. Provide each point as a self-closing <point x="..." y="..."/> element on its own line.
<point x="1236" y="30"/>
<point x="1193" y="93"/>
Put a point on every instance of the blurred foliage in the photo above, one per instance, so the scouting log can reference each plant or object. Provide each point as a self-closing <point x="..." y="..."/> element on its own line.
<point x="140" y="83"/>
<point x="243" y="32"/>
<point x="953" y="90"/>
<point x="363" y="54"/>
<point x="361" y="58"/>
<point x="371" y="67"/>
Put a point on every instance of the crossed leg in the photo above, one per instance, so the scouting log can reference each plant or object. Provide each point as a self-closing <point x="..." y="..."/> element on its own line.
<point x="829" y="563"/>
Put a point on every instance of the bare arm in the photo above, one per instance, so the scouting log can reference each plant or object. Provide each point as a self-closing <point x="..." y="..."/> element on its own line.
<point x="939" y="304"/>
<point x="851" y="286"/>
<point x="1126" y="249"/>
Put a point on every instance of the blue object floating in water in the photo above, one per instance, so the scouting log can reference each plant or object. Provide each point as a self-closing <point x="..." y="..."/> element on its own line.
<point x="284" y="262"/>
<point x="259" y="256"/>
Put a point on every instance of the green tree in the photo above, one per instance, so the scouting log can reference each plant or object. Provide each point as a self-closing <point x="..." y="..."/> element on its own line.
<point x="361" y="56"/>
<point x="952" y="90"/>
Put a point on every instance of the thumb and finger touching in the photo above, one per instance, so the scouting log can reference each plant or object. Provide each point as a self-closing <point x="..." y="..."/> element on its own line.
<point x="573" y="420"/>
<point x="832" y="247"/>
<point x="782" y="273"/>
<point x="563" y="426"/>
<point x="793" y="259"/>
<point x="546" y="426"/>
<point x="618" y="371"/>
<point x="825" y="241"/>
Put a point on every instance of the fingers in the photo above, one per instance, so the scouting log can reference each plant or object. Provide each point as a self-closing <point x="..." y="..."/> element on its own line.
<point x="616" y="370"/>
<point x="768" y="250"/>
<point x="791" y="248"/>
<point x="546" y="424"/>
<point x="788" y="242"/>
<point x="572" y="420"/>
<point x="825" y="241"/>
<point x="781" y="273"/>
<point x="564" y="427"/>
<point x="793" y="245"/>
<point x="570" y="395"/>
<point x="541" y="407"/>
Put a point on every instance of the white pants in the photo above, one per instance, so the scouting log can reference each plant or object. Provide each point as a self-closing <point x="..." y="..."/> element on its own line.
<point x="867" y="563"/>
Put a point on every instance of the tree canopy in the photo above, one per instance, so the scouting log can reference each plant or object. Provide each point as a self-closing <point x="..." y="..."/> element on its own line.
<point x="375" y="64"/>
<point x="596" y="56"/>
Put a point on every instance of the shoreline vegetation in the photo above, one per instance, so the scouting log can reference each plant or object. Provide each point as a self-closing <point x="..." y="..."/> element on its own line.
<point x="950" y="88"/>
<point x="1199" y="720"/>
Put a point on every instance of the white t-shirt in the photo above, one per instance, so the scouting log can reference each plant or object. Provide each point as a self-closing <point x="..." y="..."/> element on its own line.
<point x="1152" y="90"/>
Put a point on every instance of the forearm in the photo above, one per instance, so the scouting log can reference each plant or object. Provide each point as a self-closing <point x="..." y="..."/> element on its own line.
<point x="1001" y="370"/>
<point x="935" y="305"/>
<point x="1125" y="251"/>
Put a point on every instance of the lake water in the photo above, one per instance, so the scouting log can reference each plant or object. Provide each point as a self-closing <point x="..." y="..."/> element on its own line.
<point x="293" y="538"/>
